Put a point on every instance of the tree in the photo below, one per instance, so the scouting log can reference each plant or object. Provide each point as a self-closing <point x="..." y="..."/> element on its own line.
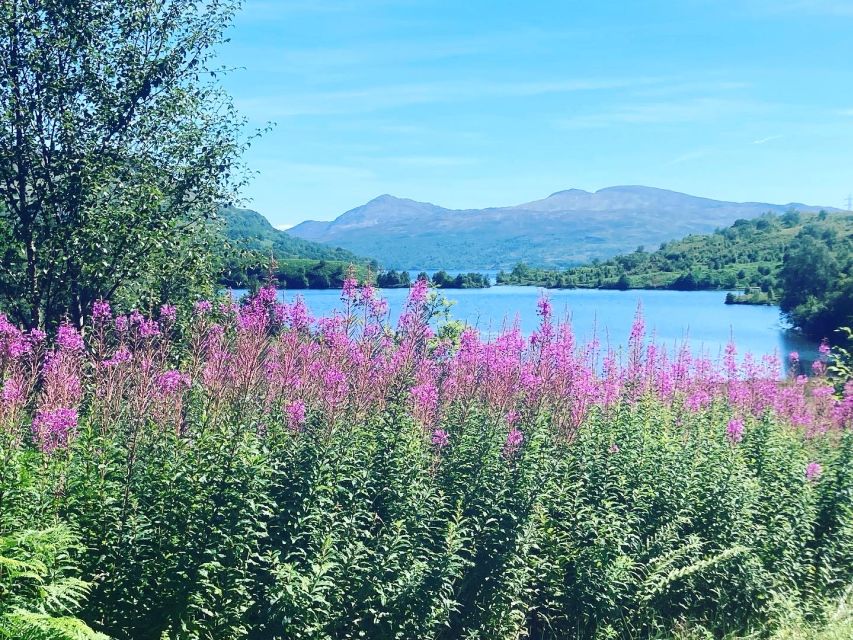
<point x="116" y="143"/>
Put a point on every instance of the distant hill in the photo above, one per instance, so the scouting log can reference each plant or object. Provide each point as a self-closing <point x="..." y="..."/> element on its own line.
<point x="249" y="230"/>
<point x="566" y="228"/>
<point x="802" y="261"/>
<point x="250" y="242"/>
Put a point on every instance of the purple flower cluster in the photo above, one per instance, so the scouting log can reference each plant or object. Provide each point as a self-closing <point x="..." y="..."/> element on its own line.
<point x="813" y="471"/>
<point x="296" y="414"/>
<point x="101" y="312"/>
<point x="68" y="338"/>
<point x="734" y="430"/>
<point x="168" y="313"/>
<point x="203" y="307"/>
<point x="440" y="438"/>
<point x="273" y="356"/>
<point x="172" y="382"/>
<point x="513" y="442"/>
<point x="53" y="429"/>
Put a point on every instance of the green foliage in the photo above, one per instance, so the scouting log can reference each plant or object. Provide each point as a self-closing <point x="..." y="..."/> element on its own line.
<point x="254" y="250"/>
<point x="802" y="261"/>
<point x="392" y="279"/>
<point x="816" y="280"/>
<point x="647" y="522"/>
<point x="39" y="593"/>
<point x="443" y="280"/>
<point x="117" y="144"/>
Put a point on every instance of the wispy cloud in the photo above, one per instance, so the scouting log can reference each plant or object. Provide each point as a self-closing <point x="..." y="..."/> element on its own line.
<point x="766" y="140"/>
<point x="395" y="51"/>
<point x="671" y="112"/>
<point x="307" y="172"/>
<point x="432" y="161"/>
<point x="690" y="155"/>
<point x="401" y="95"/>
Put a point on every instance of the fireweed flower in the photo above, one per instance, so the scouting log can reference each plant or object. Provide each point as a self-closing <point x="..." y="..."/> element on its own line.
<point x="53" y="429"/>
<point x="172" y="382"/>
<point x="266" y="296"/>
<point x="149" y="329"/>
<point x="202" y="307"/>
<point x="350" y="289"/>
<point x="168" y="313"/>
<point x="513" y="442"/>
<point x="614" y="448"/>
<point x="794" y="357"/>
<point x="68" y="338"/>
<point x="13" y="393"/>
<point x="419" y="292"/>
<point x="424" y="402"/>
<point x="295" y="412"/>
<point x="543" y="307"/>
<point x="101" y="311"/>
<point x="121" y="356"/>
<point x="440" y="438"/>
<point x="734" y="430"/>
<point x="824" y="349"/>
<point x="136" y="318"/>
<point x="512" y="418"/>
<point x="813" y="471"/>
<point x="122" y="323"/>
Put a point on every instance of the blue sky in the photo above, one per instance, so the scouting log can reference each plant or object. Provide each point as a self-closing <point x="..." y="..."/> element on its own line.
<point x="474" y="104"/>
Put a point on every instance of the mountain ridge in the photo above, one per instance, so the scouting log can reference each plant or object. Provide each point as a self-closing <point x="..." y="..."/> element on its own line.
<point x="568" y="227"/>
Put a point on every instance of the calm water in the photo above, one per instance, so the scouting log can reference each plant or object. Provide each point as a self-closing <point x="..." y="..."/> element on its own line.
<point x="673" y="316"/>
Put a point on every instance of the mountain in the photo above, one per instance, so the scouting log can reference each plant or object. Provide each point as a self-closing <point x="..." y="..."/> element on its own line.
<point x="566" y="228"/>
<point x="249" y="230"/>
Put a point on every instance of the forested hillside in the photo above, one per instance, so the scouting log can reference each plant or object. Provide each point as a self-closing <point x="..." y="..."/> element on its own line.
<point x="254" y="246"/>
<point x="800" y="260"/>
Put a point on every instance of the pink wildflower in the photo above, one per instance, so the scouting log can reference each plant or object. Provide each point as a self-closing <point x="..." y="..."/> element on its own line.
<point x="295" y="415"/>
<point x="202" y="307"/>
<point x="350" y="288"/>
<point x="54" y="429"/>
<point x="13" y="393"/>
<point x="168" y="313"/>
<point x="149" y="329"/>
<point x="101" y="311"/>
<point x="440" y="438"/>
<point x="614" y="448"/>
<point x="419" y="291"/>
<point x="813" y="471"/>
<point x="543" y="307"/>
<point x="68" y="338"/>
<point x="513" y="441"/>
<point x="172" y="382"/>
<point x="121" y="356"/>
<point x="734" y="430"/>
<point x="267" y="296"/>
